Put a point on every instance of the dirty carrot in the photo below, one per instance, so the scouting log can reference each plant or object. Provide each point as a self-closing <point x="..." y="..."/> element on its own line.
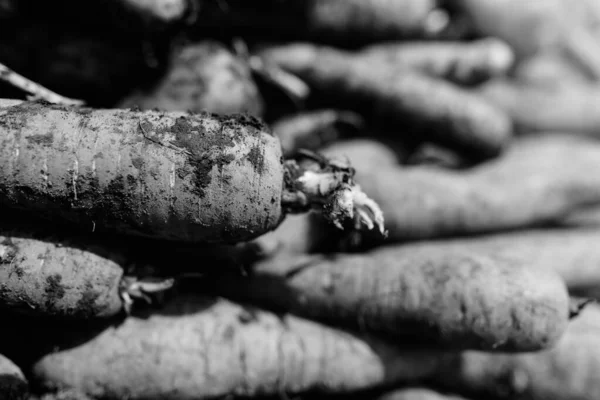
<point x="169" y="175"/>
<point x="208" y="348"/>
<point x="452" y="298"/>
<point x="539" y="180"/>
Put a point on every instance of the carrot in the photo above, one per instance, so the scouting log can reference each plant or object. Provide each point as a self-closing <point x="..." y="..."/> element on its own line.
<point x="47" y="274"/>
<point x="461" y="62"/>
<point x="207" y="348"/>
<point x="44" y="278"/>
<point x="203" y="76"/>
<point x="343" y="22"/>
<point x="540" y="179"/>
<point x="176" y="176"/>
<point x="566" y="372"/>
<point x="407" y="100"/>
<point x="312" y="130"/>
<point x="417" y="393"/>
<point x="13" y="384"/>
<point x="440" y="296"/>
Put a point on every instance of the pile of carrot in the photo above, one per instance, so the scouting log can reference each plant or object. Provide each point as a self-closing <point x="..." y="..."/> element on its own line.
<point x="312" y="200"/>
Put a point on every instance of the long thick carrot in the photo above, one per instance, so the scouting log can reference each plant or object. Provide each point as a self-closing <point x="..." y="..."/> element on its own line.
<point x="454" y="298"/>
<point x="203" y="76"/>
<point x="44" y="278"/>
<point x="403" y="99"/>
<point x="13" y="384"/>
<point x="207" y="348"/>
<point x="540" y="179"/>
<point x="191" y="177"/>
<point x="48" y="274"/>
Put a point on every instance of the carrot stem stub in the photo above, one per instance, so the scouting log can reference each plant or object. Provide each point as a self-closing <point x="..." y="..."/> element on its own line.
<point x="168" y="175"/>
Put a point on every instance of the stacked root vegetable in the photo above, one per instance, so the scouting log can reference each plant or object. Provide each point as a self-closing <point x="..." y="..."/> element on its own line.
<point x="286" y="199"/>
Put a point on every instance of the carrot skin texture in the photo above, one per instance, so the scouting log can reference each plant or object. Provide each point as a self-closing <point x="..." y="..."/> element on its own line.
<point x="228" y="350"/>
<point x="204" y="76"/>
<point x="400" y="292"/>
<point x="401" y="98"/>
<point x="538" y="180"/>
<point x="198" y="177"/>
<point x="13" y="384"/>
<point x="53" y="278"/>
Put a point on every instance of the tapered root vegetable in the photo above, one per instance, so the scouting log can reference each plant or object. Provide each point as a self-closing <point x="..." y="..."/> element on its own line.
<point x="403" y="99"/>
<point x="342" y="22"/>
<point x="313" y="130"/>
<point x="566" y="372"/>
<point x="200" y="348"/>
<point x="44" y="278"/>
<point x="190" y="177"/>
<point x="440" y="296"/>
<point x="540" y="179"/>
<point x="466" y="63"/>
<point x="13" y="385"/>
<point x="48" y="275"/>
<point x="202" y="77"/>
<point x="418" y="394"/>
